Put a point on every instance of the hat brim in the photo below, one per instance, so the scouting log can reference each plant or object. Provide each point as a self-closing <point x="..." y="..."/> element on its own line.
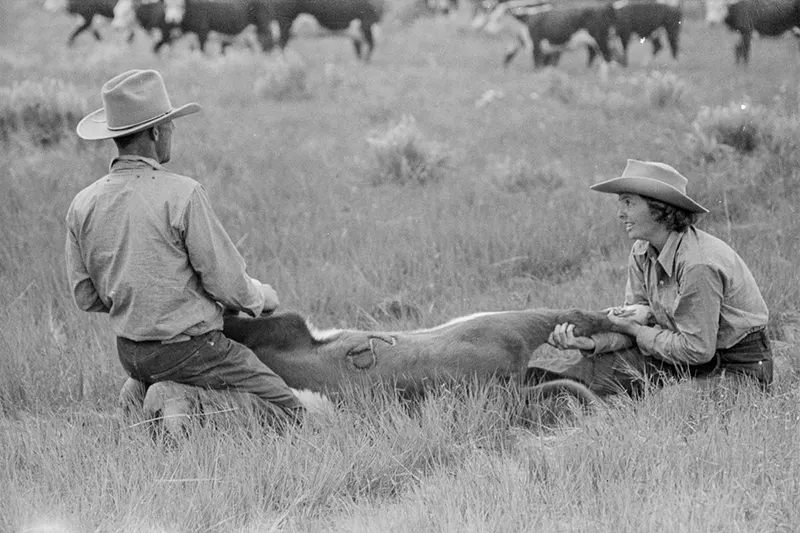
<point x="94" y="126"/>
<point x="651" y="188"/>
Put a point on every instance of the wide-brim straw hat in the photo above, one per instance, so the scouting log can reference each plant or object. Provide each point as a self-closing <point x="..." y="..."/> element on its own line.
<point x="654" y="180"/>
<point x="132" y="101"/>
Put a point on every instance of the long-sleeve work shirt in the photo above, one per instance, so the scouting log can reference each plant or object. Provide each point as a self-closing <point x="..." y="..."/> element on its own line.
<point x="144" y="246"/>
<point x="702" y="295"/>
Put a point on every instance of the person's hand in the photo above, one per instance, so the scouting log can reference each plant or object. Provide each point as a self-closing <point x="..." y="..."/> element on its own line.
<point x="625" y="321"/>
<point x="271" y="301"/>
<point x="637" y="312"/>
<point x="563" y="338"/>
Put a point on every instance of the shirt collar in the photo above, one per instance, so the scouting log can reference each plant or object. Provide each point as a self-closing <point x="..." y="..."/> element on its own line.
<point x="666" y="258"/>
<point x="124" y="162"/>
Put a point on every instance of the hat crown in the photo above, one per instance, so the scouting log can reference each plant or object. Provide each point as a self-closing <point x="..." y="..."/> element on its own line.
<point x="655" y="171"/>
<point x="134" y="97"/>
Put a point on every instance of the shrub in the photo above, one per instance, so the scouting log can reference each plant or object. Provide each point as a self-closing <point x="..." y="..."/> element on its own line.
<point x="737" y="125"/>
<point x="664" y="89"/>
<point x="402" y="155"/>
<point x="558" y="85"/>
<point x="780" y="172"/>
<point x="285" y="78"/>
<point x="44" y="111"/>
<point x="519" y="175"/>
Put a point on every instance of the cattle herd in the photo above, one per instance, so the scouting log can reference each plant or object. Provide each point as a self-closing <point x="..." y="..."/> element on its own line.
<point x="544" y="27"/>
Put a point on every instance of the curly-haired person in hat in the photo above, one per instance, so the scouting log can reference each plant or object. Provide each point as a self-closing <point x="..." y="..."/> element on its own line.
<point x="708" y="315"/>
<point x="144" y="246"/>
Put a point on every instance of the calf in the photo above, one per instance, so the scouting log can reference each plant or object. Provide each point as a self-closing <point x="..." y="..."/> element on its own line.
<point x="86" y="9"/>
<point x="482" y="345"/>
<point x="766" y="17"/>
<point x="321" y="363"/>
<point x="228" y="17"/>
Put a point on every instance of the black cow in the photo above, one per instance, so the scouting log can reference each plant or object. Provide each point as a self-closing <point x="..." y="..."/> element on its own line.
<point x="557" y="26"/>
<point x="644" y="19"/>
<point x="86" y="9"/>
<point x="767" y="17"/>
<point x="228" y="17"/>
<point x="334" y="15"/>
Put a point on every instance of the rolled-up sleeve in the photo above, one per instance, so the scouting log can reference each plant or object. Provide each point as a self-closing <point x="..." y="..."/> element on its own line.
<point x="83" y="290"/>
<point x="214" y="257"/>
<point x="609" y="342"/>
<point x="696" y="319"/>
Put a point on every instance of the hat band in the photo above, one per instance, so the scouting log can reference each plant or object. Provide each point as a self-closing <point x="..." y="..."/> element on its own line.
<point x="127" y="126"/>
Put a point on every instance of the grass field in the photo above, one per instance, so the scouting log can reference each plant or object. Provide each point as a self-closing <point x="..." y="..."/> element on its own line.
<point x="491" y="211"/>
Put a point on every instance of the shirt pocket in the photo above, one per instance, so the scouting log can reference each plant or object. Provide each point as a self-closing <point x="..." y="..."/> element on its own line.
<point x="665" y="300"/>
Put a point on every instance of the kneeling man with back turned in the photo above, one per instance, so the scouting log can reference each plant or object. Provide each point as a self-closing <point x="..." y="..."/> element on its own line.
<point x="144" y="246"/>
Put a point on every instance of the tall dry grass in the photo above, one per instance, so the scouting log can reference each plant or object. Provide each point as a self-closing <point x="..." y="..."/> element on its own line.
<point x="510" y="224"/>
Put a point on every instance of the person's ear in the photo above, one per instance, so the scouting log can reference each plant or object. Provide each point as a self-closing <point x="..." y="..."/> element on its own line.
<point x="154" y="133"/>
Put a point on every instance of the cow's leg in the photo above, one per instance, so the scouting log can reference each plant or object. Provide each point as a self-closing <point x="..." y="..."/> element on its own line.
<point x="513" y="50"/>
<point x="265" y="39"/>
<point x="285" y="27"/>
<point x="621" y="56"/>
<point x="224" y="44"/>
<point x="656" y="42"/>
<point x="369" y="39"/>
<point x="591" y="53"/>
<point x="673" y="37"/>
<point x="357" y="47"/>
<point x="165" y="39"/>
<point x="77" y="31"/>
<point x="742" y="50"/>
<point x="552" y="58"/>
<point x="202" y="37"/>
<point x="539" y="57"/>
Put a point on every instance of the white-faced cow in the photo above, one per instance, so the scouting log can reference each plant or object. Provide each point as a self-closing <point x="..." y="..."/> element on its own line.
<point x="646" y="20"/>
<point x="201" y="17"/>
<point x="86" y="9"/>
<point x="359" y="16"/>
<point x="765" y="17"/>
<point x="547" y="28"/>
<point x="558" y="26"/>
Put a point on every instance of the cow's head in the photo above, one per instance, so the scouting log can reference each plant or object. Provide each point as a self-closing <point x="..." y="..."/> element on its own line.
<point x="716" y="11"/>
<point x="55" y="5"/>
<point x="174" y="11"/>
<point x="124" y="15"/>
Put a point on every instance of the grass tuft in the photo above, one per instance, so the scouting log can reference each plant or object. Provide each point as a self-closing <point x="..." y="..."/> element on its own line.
<point x="285" y="77"/>
<point x="664" y="89"/>
<point x="45" y="111"/>
<point x="520" y="175"/>
<point x="739" y="125"/>
<point x="402" y="155"/>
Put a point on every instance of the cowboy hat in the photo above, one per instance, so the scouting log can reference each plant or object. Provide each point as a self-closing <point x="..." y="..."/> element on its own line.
<point x="132" y="101"/>
<point x="654" y="180"/>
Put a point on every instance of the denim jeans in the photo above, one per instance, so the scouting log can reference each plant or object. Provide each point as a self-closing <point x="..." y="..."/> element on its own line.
<point x="627" y="370"/>
<point x="210" y="360"/>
